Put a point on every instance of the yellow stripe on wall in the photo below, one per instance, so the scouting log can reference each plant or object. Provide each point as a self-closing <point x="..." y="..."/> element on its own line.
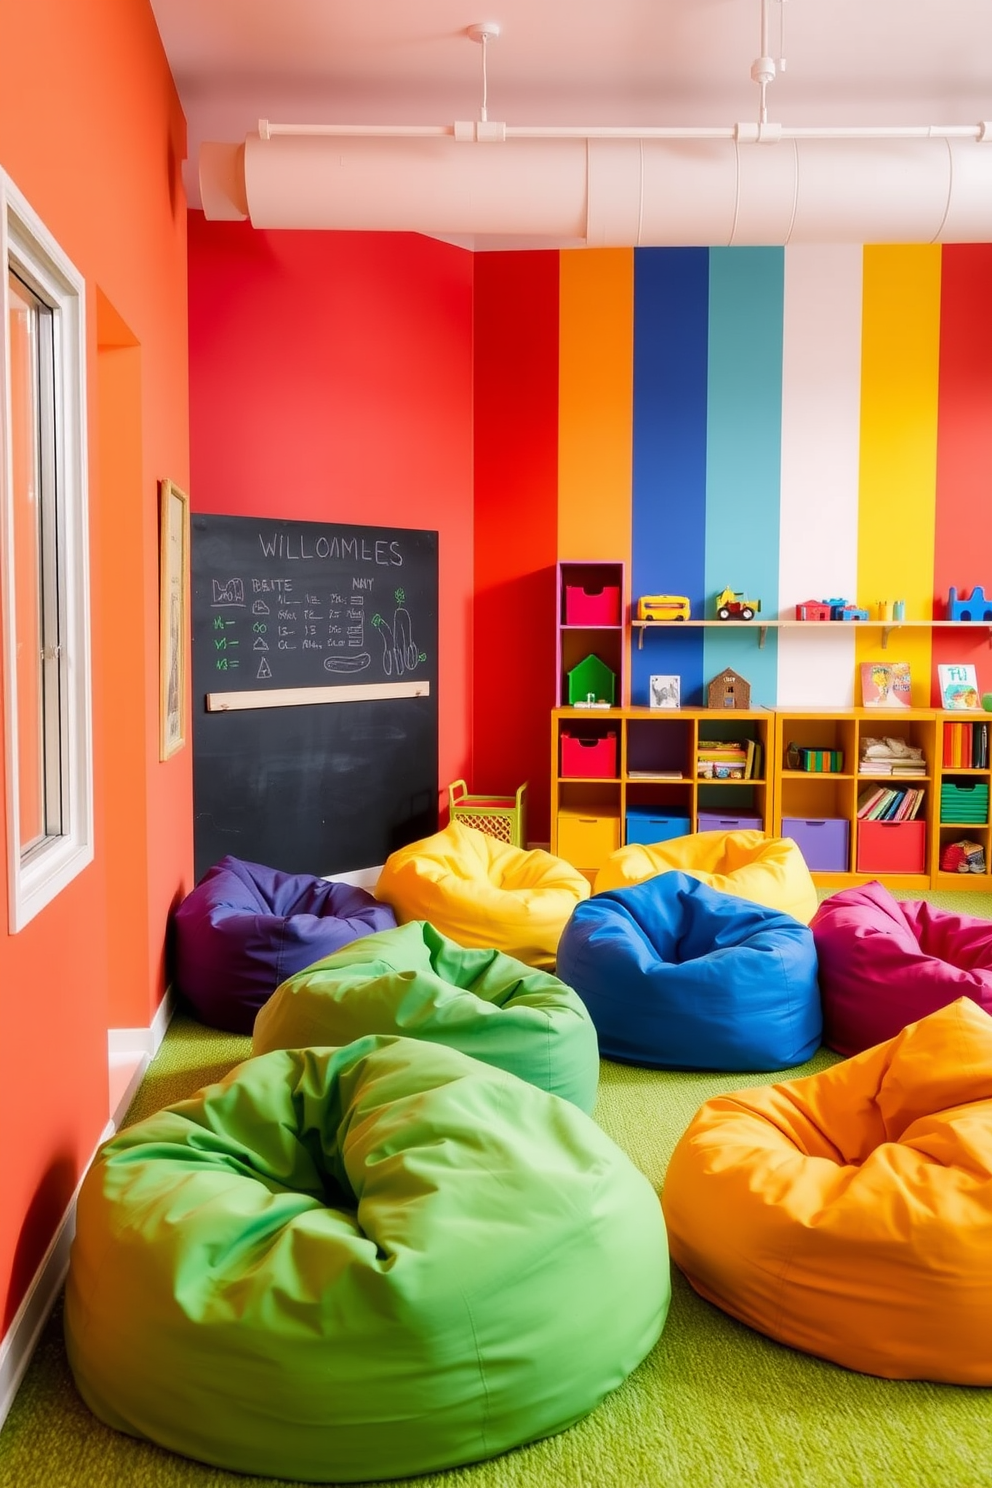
<point x="898" y="464"/>
<point x="595" y="401"/>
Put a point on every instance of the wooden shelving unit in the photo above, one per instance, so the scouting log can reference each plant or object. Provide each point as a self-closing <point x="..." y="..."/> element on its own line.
<point x="651" y="754"/>
<point x="645" y="762"/>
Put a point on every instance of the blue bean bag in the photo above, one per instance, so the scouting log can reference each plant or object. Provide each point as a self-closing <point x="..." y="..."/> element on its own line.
<point x="676" y="974"/>
<point x="244" y="928"/>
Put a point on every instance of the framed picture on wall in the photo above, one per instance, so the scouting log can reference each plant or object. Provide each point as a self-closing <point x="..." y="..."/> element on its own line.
<point x="173" y="615"/>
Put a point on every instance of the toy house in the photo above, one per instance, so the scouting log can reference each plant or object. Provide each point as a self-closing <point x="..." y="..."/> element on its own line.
<point x="812" y="609"/>
<point x="591" y="682"/>
<point x="729" y="690"/>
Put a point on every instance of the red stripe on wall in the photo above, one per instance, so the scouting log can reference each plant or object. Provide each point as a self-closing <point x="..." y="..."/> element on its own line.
<point x="516" y="525"/>
<point x="963" y="545"/>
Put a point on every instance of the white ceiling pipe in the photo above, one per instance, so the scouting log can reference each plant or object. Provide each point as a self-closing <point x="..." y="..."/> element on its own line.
<point x="613" y="192"/>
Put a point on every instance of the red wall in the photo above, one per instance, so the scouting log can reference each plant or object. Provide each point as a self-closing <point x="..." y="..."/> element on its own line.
<point x="92" y="134"/>
<point x="331" y="380"/>
<point x="516" y="538"/>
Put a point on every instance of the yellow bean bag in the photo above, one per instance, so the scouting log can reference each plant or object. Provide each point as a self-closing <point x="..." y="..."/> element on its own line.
<point x="481" y="892"/>
<point x="849" y="1214"/>
<point x="767" y="870"/>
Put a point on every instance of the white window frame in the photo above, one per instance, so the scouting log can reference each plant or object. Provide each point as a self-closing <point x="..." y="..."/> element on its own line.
<point x="35" y="878"/>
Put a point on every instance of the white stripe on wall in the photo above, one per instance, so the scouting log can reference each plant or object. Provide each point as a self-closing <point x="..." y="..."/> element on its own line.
<point x="821" y="407"/>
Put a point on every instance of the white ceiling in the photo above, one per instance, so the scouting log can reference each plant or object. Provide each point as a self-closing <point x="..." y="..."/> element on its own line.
<point x="578" y="62"/>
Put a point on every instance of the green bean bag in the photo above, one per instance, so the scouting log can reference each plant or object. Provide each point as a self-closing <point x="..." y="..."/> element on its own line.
<point x="415" y="982"/>
<point x="339" y="1265"/>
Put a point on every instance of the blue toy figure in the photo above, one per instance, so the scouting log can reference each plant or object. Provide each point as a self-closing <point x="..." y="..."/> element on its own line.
<point x="975" y="607"/>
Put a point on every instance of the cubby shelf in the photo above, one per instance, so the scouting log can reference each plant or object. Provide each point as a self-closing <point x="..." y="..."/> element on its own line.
<point x="649" y="759"/>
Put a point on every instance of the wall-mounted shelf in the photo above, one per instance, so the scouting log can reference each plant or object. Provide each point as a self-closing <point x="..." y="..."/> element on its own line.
<point x="831" y="626"/>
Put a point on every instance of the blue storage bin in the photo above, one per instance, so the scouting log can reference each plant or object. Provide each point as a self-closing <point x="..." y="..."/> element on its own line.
<point x="647" y="824"/>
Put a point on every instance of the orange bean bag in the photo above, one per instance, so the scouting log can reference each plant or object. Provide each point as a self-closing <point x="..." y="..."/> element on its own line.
<point x="484" y="893"/>
<point x="849" y="1214"/>
<point x="767" y="870"/>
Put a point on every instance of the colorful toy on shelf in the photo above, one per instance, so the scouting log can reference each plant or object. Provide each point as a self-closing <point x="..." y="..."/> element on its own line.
<point x="975" y="607"/>
<point x="843" y="609"/>
<point x="813" y="609"/>
<point x="663" y="607"/>
<point x="731" y="604"/>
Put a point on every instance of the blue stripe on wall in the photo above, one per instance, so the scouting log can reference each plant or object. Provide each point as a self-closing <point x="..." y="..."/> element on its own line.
<point x="668" y="515"/>
<point x="744" y="453"/>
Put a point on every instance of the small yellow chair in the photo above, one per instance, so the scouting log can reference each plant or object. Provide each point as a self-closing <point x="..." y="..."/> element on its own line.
<point x="849" y="1214"/>
<point x="481" y="892"/>
<point x="767" y="870"/>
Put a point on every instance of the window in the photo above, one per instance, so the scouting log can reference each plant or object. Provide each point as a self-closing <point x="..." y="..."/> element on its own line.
<point x="44" y="573"/>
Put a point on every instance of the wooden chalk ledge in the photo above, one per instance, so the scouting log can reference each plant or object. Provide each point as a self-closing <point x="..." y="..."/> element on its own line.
<point x="293" y="697"/>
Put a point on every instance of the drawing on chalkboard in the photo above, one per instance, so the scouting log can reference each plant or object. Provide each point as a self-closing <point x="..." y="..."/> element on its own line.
<point x="400" y="652"/>
<point x="229" y="592"/>
<point x="347" y="663"/>
<point x="260" y="607"/>
<point x="264" y="670"/>
<point x="173" y="615"/>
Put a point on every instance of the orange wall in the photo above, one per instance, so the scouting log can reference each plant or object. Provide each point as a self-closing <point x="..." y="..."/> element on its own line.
<point x="92" y="134"/>
<point x="331" y="380"/>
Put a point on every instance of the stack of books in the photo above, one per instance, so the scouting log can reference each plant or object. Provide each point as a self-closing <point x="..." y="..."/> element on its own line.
<point x="728" y="759"/>
<point x="966" y="746"/>
<point x="882" y="803"/>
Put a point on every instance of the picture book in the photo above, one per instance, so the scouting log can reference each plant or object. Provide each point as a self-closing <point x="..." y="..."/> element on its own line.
<point x="664" y="692"/>
<point x="885" y="684"/>
<point x="958" y="686"/>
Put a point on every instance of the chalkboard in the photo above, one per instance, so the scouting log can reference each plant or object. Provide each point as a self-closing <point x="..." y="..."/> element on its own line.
<point x="314" y="691"/>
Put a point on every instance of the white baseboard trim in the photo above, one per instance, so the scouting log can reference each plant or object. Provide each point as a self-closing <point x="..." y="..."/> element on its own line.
<point x="20" y="1340"/>
<point x="143" y="1040"/>
<point x="361" y="878"/>
<point x="134" y="1046"/>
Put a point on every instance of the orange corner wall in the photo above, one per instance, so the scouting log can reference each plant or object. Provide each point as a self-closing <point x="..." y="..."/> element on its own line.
<point x="92" y="134"/>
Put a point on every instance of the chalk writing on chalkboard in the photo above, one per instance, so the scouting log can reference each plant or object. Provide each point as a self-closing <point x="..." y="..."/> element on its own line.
<point x="315" y="681"/>
<point x="297" y="603"/>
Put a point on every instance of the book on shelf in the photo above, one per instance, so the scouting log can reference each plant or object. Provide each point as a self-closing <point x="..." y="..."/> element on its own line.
<point x="885" y="684"/>
<point x="655" y="775"/>
<point x="965" y="746"/>
<point x="893" y="805"/>
<point x="958" y="686"/>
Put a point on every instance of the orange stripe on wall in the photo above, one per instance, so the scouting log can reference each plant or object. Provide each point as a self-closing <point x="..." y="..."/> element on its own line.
<point x="899" y="358"/>
<point x="595" y="401"/>
<point x="963" y="543"/>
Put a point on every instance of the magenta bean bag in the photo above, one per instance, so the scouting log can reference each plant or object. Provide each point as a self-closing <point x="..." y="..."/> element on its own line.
<point x="245" y="928"/>
<point x="884" y="964"/>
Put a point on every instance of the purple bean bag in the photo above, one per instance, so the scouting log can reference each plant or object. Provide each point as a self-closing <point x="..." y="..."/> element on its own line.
<point x="245" y="928"/>
<point x="885" y="964"/>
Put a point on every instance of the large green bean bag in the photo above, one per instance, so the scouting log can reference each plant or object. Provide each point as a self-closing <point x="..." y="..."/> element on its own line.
<point x="414" y="981"/>
<point x="347" y="1264"/>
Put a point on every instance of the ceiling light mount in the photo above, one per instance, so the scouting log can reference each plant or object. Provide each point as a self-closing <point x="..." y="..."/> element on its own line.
<point x="483" y="31"/>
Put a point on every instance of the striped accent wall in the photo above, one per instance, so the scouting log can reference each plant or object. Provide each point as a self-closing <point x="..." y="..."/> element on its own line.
<point x="799" y="423"/>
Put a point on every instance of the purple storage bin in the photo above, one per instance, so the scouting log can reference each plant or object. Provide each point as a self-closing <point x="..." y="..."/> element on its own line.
<point x="725" y="821"/>
<point x="823" y="841"/>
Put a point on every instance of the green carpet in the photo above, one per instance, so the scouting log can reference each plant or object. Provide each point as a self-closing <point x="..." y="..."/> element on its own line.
<point x="714" y="1406"/>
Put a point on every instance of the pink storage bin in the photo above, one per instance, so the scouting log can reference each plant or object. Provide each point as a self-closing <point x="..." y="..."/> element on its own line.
<point x="589" y="756"/>
<point x="592" y="606"/>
